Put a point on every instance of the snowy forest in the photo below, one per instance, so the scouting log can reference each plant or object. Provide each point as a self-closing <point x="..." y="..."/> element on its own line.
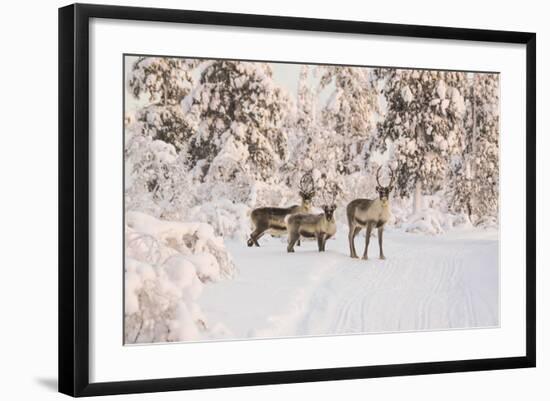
<point x="207" y="141"/>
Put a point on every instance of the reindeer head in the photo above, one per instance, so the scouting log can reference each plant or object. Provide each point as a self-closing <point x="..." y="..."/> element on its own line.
<point x="329" y="211"/>
<point x="307" y="189"/>
<point x="384" y="191"/>
<point x="329" y="200"/>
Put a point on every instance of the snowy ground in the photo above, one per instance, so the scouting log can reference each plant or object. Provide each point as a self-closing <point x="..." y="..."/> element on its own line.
<point x="426" y="283"/>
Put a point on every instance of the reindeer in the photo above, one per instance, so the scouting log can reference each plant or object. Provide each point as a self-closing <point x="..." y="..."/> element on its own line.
<point x="369" y="213"/>
<point x="320" y="226"/>
<point x="273" y="219"/>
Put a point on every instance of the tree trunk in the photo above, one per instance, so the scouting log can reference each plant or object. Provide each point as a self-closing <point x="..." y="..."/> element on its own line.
<point x="417" y="201"/>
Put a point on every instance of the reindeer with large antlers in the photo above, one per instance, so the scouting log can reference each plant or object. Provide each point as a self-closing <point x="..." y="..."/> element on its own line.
<point x="273" y="219"/>
<point x="320" y="226"/>
<point x="370" y="213"/>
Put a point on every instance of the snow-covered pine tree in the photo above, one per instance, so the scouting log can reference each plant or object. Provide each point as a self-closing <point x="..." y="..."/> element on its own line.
<point x="165" y="82"/>
<point x="306" y="104"/>
<point x="239" y="114"/>
<point x="458" y="191"/>
<point x="304" y="129"/>
<point x="474" y="181"/>
<point x="424" y="123"/>
<point x="350" y="114"/>
<point x="485" y="166"/>
<point x="332" y="142"/>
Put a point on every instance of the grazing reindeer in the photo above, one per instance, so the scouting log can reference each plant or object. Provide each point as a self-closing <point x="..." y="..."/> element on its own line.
<point x="369" y="213"/>
<point x="272" y="219"/>
<point x="320" y="226"/>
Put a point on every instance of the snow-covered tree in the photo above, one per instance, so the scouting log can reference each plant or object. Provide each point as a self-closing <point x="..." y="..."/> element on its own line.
<point x="474" y="181"/>
<point x="486" y="144"/>
<point x="304" y="130"/>
<point x="239" y="114"/>
<point x="165" y="123"/>
<point x="156" y="180"/>
<point x="350" y="114"/>
<point x="332" y="141"/>
<point x="306" y="103"/>
<point x="164" y="82"/>
<point x="423" y="125"/>
<point x="459" y="191"/>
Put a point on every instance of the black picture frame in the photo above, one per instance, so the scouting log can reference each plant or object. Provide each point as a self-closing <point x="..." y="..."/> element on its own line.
<point x="74" y="194"/>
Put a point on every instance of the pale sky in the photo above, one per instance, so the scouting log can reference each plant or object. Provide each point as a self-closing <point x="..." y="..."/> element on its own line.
<point x="287" y="76"/>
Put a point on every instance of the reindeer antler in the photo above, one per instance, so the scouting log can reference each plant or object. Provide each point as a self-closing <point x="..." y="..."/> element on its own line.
<point x="332" y="189"/>
<point x="392" y="176"/>
<point x="323" y="198"/>
<point x="377" y="176"/>
<point x="391" y="179"/>
<point x="307" y="186"/>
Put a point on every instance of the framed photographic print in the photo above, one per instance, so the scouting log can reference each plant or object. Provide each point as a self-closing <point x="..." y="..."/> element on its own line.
<point x="249" y="199"/>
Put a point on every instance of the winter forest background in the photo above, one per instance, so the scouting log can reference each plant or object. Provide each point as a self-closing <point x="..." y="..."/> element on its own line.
<point x="206" y="141"/>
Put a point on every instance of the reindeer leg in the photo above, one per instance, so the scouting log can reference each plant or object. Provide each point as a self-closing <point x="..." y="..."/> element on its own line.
<point x="292" y="238"/>
<point x="369" y="230"/>
<point x="250" y="241"/>
<point x="320" y="238"/>
<point x="258" y="237"/>
<point x="255" y="236"/>
<point x="357" y="231"/>
<point x="353" y="230"/>
<point x="325" y="237"/>
<point x="380" y="240"/>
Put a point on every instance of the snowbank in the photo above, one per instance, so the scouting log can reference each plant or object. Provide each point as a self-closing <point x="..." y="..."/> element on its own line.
<point x="427" y="222"/>
<point x="167" y="266"/>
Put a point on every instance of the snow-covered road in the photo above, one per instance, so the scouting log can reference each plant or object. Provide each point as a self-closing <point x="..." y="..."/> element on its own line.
<point x="426" y="283"/>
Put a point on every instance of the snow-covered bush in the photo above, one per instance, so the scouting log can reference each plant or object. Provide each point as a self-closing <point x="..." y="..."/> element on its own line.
<point x="400" y="211"/>
<point x="426" y="222"/>
<point x="461" y="220"/>
<point x="432" y="218"/>
<point x="229" y="219"/>
<point x="156" y="180"/>
<point x="487" y="223"/>
<point x="186" y="238"/>
<point x="167" y="265"/>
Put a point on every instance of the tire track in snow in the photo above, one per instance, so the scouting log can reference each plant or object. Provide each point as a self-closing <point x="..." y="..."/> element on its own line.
<point x="444" y="276"/>
<point x="422" y="285"/>
<point x="365" y="285"/>
<point x="369" y="278"/>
